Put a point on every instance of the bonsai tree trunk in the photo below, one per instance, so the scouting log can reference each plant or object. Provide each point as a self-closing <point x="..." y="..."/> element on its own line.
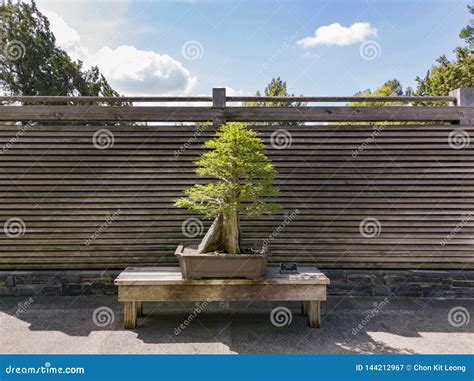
<point x="231" y="233"/>
<point x="223" y="235"/>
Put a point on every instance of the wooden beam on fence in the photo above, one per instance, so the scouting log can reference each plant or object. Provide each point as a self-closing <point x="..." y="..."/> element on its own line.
<point x="347" y="114"/>
<point x="109" y="113"/>
<point x="218" y="105"/>
<point x="353" y="99"/>
<point x="464" y="98"/>
<point x="53" y="99"/>
<point x="244" y="114"/>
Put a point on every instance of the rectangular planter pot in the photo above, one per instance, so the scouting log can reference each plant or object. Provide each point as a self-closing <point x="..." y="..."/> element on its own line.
<point x="216" y="265"/>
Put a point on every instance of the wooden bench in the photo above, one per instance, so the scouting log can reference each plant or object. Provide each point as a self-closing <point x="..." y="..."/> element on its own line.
<point x="165" y="284"/>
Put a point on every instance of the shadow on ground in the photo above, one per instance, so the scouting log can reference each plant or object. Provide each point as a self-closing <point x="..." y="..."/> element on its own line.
<point x="349" y="325"/>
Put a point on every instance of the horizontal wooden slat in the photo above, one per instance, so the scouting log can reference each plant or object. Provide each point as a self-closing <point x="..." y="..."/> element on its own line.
<point x="402" y="99"/>
<point x="408" y="178"/>
<point x="239" y="98"/>
<point x="244" y="114"/>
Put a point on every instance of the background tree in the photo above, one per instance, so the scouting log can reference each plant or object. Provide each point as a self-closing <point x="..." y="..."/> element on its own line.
<point x="391" y="88"/>
<point x="467" y="33"/>
<point x="244" y="179"/>
<point x="447" y="75"/>
<point x="276" y="88"/>
<point x="32" y="64"/>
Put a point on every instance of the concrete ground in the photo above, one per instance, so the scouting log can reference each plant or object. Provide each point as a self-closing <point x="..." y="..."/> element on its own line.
<point x="349" y="325"/>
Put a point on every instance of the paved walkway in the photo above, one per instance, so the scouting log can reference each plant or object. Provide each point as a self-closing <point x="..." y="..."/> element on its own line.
<point x="350" y="325"/>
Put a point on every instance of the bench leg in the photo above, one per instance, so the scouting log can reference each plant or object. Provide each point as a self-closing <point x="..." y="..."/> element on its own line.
<point x="139" y="309"/>
<point x="314" y="314"/>
<point x="304" y="308"/>
<point x="130" y="315"/>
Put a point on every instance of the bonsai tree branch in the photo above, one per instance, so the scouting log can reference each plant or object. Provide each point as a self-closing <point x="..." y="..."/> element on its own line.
<point x="244" y="179"/>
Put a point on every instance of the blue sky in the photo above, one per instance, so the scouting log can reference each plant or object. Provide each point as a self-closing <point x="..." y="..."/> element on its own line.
<point x="141" y="45"/>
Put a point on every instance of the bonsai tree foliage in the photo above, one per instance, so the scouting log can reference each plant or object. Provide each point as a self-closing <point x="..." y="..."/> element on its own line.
<point x="244" y="178"/>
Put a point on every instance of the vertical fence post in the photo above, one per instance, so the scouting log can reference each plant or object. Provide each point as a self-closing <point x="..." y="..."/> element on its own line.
<point x="218" y="105"/>
<point x="464" y="98"/>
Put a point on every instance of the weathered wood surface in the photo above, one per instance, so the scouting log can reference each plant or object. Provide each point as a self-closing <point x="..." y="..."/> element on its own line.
<point x="314" y="313"/>
<point x="130" y="314"/>
<point x="223" y="292"/>
<point x="166" y="284"/>
<point x="397" y="99"/>
<point x="244" y="114"/>
<point x="171" y="276"/>
<point x="408" y="178"/>
<point x="52" y="99"/>
<point x="88" y="99"/>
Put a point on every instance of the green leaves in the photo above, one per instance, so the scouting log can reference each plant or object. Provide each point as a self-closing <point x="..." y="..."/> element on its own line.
<point x="32" y="64"/>
<point x="243" y="175"/>
<point x="448" y="75"/>
<point x="276" y="88"/>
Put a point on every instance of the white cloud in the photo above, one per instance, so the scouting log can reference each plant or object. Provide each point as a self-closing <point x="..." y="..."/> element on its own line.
<point x="140" y="72"/>
<point x="99" y="23"/>
<point x="129" y="70"/>
<point x="230" y="91"/>
<point x="336" y="34"/>
<point x="66" y="37"/>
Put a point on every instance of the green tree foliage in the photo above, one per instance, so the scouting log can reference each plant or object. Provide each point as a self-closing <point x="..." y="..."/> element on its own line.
<point x="391" y="88"/>
<point x="447" y="75"/>
<point x="467" y="33"/>
<point x="276" y="88"/>
<point x="244" y="178"/>
<point x="32" y="64"/>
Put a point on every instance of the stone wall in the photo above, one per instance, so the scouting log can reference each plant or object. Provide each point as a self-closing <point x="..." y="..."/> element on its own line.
<point x="410" y="283"/>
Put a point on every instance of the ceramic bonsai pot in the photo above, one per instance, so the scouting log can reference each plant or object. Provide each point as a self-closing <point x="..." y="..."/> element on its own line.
<point x="220" y="265"/>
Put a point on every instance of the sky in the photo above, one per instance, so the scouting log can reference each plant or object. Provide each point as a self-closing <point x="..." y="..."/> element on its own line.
<point x="321" y="48"/>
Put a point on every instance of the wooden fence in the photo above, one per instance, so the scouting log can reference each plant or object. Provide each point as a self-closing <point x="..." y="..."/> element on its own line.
<point x="354" y="196"/>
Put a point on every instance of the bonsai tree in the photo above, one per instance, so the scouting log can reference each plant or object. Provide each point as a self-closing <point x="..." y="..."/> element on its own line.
<point x="244" y="178"/>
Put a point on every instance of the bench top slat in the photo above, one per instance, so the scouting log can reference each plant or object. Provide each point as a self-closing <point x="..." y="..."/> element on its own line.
<point x="148" y="276"/>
